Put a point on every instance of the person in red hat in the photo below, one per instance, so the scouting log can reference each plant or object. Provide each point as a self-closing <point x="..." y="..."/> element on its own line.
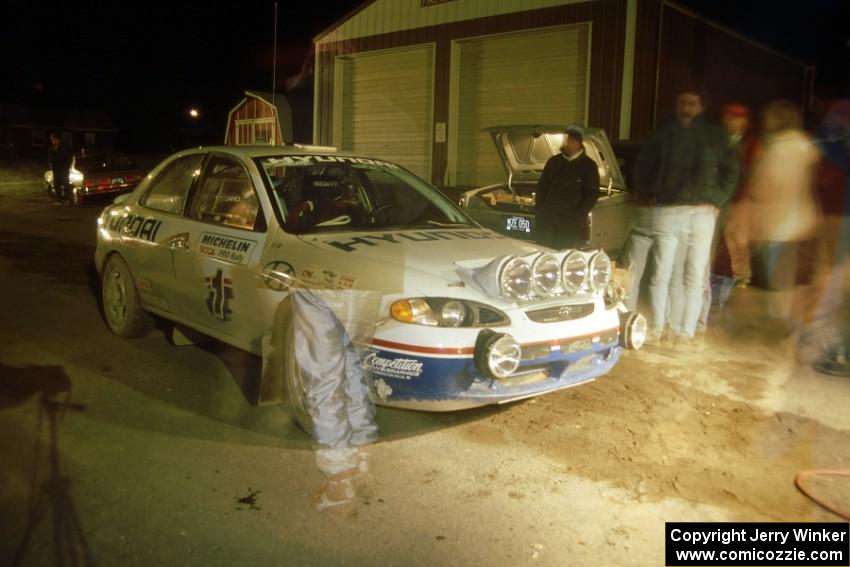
<point x="736" y="122"/>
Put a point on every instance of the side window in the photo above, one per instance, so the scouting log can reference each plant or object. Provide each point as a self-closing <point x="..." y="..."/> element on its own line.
<point x="168" y="191"/>
<point x="226" y="196"/>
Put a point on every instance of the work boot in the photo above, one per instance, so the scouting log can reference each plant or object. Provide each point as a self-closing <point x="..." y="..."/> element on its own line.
<point x="834" y="361"/>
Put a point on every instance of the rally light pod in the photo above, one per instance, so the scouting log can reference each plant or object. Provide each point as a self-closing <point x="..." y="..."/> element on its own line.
<point x="497" y="355"/>
<point x="633" y="329"/>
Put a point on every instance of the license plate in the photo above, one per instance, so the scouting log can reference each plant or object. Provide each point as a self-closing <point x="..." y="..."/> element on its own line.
<point x="518" y="224"/>
<point x="117" y="181"/>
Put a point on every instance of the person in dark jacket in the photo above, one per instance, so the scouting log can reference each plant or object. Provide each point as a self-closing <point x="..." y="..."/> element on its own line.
<point x="567" y="190"/>
<point x="687" y="170"/>
<point x="60" y="159"/>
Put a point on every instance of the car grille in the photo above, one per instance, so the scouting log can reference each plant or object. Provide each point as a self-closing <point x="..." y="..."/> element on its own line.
<point x="561" y="313"/>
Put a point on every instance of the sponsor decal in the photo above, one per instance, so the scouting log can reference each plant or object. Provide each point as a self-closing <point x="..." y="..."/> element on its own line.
<point x="227" y="248"/>
<point x="136" y="226"/>
<point x="400" y="368"/>
<point x="382" y="389"/>
<point x="278" y="275"/>
<point x="315" y="159"/>
<point x="219" y="296"/>
<point x="351" y="244"/>
<point x="325" y="278"/>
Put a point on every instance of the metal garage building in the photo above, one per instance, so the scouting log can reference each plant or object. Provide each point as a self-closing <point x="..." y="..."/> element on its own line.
<point x="415" y="81"/>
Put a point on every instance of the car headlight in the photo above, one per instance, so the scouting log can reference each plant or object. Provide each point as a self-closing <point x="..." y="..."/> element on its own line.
<point x="446" y="312"/>
<point x="453" y="313"/>
<point x="574" y="271"/>
<point x="497" y="354"/>
<point x="414" y="311"/>
<point x="515" y="279"/>
<point x="600" y="271"/>
<point x="545" y="274"/>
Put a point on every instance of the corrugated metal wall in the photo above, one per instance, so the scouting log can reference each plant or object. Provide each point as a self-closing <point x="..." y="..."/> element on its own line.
<point x="546" y="83"/>
<point x="729" y="67"/>
<point x="607" y="18"/>
<point x="388" y="16"/>
<point x="386" y="106"/>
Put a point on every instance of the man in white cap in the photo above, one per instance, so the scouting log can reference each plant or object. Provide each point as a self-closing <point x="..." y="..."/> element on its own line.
<point x="567" y="190"/>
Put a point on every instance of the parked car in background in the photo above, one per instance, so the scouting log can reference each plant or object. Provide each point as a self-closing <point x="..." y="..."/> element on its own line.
<point x="98" y="174"/>
<point x="508" y="207"/>
<point x="215" y="238"/>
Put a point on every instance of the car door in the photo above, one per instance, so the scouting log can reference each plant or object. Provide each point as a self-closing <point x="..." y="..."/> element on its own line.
<point x="154" y="229"/>
<point x="218" y="273"/>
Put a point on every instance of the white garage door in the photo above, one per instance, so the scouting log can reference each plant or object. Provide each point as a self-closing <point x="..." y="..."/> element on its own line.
<point x="520" y="78"/>
<point x="384" y="106"/>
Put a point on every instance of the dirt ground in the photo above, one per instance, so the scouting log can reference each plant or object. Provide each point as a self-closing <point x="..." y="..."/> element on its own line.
<point x="156" y="457"/>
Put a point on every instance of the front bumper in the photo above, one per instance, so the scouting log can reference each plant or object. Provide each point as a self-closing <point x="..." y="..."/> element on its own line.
<point x="416" y="380"/>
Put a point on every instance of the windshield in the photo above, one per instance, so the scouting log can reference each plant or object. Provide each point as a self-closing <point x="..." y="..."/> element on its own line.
<point x="327" y="193"/>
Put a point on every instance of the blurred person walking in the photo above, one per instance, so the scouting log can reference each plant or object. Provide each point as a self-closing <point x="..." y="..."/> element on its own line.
<point x="687" y="171"/>
<point x="60" y="159"/>
<point x="567" y="190"/>
<point x="781" y="213"/>
<point x="332" y="328"/>
<point x="736" y="122"/>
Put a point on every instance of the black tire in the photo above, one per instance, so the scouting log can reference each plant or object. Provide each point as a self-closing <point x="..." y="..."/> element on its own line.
<point x="122" y="308"/>
<point x="296" y="392"/>
<point x="51" y="191"/>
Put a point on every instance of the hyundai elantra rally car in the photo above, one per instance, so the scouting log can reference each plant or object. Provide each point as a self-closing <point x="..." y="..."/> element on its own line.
<point x="213" y="239"/>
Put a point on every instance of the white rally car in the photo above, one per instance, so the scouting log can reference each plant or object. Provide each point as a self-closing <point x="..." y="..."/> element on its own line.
<point x="213" y="238"/>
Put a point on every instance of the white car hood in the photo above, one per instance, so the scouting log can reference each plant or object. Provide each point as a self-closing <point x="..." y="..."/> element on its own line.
<point x="413" y="261"/>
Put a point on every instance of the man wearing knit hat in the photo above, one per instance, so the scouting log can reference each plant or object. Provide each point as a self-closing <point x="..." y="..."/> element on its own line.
<point x="567" y="190"/>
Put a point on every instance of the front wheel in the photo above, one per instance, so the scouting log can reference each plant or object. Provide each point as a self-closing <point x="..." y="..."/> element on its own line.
<point x="122" y="307"/>
<point x="51" y="191"/>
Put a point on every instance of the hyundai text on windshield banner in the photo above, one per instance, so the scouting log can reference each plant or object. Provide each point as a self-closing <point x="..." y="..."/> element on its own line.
<point x="744" y="543"/>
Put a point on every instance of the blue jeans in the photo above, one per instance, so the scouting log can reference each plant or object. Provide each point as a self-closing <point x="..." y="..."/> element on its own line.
<point x="330" y="329"/>
<point x="667" y="223"/>
<point x="689" y="275"/>
<point x="636" y="254"/>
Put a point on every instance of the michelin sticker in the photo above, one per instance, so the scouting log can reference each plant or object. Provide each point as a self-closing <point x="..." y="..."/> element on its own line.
<point x="227" y="248"/>
<point x="399" y="368"/>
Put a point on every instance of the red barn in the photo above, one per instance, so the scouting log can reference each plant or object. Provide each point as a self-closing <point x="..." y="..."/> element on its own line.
<point x="259" y="119"/>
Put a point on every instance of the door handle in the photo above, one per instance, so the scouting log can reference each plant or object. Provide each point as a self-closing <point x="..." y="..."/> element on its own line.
<point x="179" y="242"/>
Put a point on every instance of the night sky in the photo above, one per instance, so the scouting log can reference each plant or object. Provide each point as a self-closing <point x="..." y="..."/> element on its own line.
<point x="146" y="64"/>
